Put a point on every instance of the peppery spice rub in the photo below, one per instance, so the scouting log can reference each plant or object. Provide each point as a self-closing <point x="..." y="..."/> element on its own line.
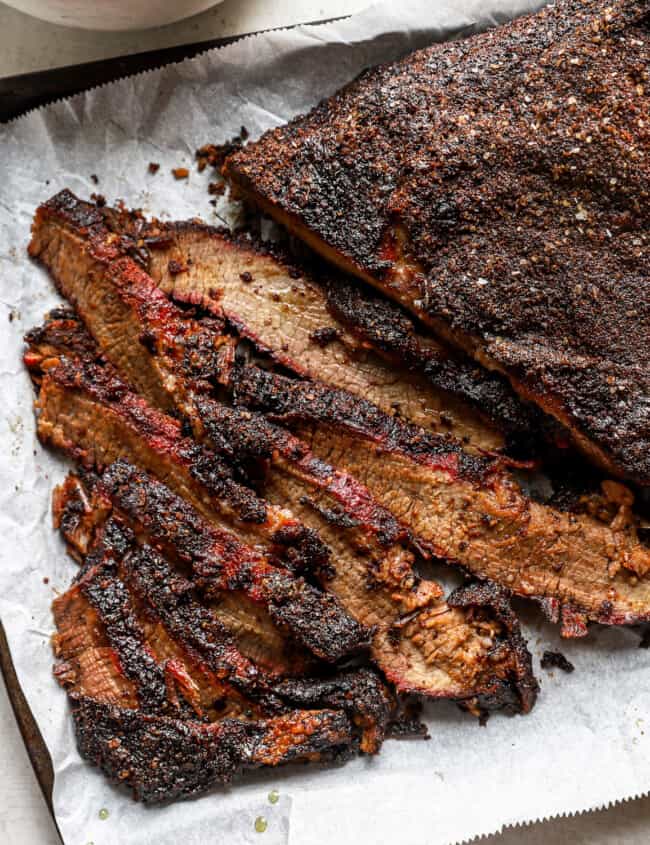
<point x="499" y="188"/>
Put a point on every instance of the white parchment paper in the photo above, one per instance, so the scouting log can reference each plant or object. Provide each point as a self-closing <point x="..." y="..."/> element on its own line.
<point x="585" y="744"/>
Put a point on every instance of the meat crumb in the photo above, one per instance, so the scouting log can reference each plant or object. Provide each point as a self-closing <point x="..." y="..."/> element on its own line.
<point x="94" y="179"/>
<point x="98" y="199"/>
<point x="180" y="172"/>
<point x="551" y="659"/>
<point x="215" y="154"/>
<point x="154" y="167"/>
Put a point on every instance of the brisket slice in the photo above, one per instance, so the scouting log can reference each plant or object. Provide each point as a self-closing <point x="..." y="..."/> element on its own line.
<point x="327" y="327"/>
<point x="92" y="253"/>
<point x="466" y="509"/>
<point x="422" y="643"/>
<point x="85" y="410"/>
<point x="498" y="187"/>
<point x="161" y="758"/>
<point x="135" y="704"/>
<point x="121" y="307"/>
<point x="154" y="617"/>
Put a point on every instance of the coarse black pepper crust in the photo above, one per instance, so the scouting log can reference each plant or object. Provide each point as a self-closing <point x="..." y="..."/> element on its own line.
<point x="499" y="187"/>
<point x="161" y="758"/>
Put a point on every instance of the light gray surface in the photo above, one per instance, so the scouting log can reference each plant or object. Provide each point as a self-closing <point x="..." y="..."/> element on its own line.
<point x="27" y="44"/>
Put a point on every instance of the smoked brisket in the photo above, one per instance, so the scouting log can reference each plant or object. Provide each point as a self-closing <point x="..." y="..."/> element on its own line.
<point x="498" y="187"/>
<point x="153" y="702"/>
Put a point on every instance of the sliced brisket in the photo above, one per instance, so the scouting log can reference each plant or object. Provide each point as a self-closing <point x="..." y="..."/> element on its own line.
<point x="85" y="410"/>
<point x="326" y="327"/>
<point x="467" y="509"/>
<point x="420" y="643"/>
<point x="92" y="255"/>
<point x="138" y="698"/>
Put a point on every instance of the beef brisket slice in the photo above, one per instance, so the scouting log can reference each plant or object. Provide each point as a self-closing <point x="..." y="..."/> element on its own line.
<point x="499" y="188"/>
<point x="279" y="306"/>
<point x="307" y="324"/>
<point x="163" y="752"/>
<point x="467" y="509"/>
<point x="420" y="642"/>
<point x="86" y="411"/>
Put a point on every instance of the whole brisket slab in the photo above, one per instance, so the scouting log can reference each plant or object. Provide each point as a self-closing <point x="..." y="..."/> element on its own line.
<point x="499" y="187"/>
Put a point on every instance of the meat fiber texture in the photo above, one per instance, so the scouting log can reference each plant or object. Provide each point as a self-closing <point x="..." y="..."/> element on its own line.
<point x="467" y="780"/>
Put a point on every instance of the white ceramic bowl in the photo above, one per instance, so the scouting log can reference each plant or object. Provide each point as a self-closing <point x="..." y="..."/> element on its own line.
<point x="112" y="14"/>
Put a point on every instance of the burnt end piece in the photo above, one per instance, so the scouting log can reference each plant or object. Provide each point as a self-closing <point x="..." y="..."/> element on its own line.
<point x="160" y="758"/>
<point x="357" y="692"/>
<point x="551" y="659"/>
<point x="518" y="693"/>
